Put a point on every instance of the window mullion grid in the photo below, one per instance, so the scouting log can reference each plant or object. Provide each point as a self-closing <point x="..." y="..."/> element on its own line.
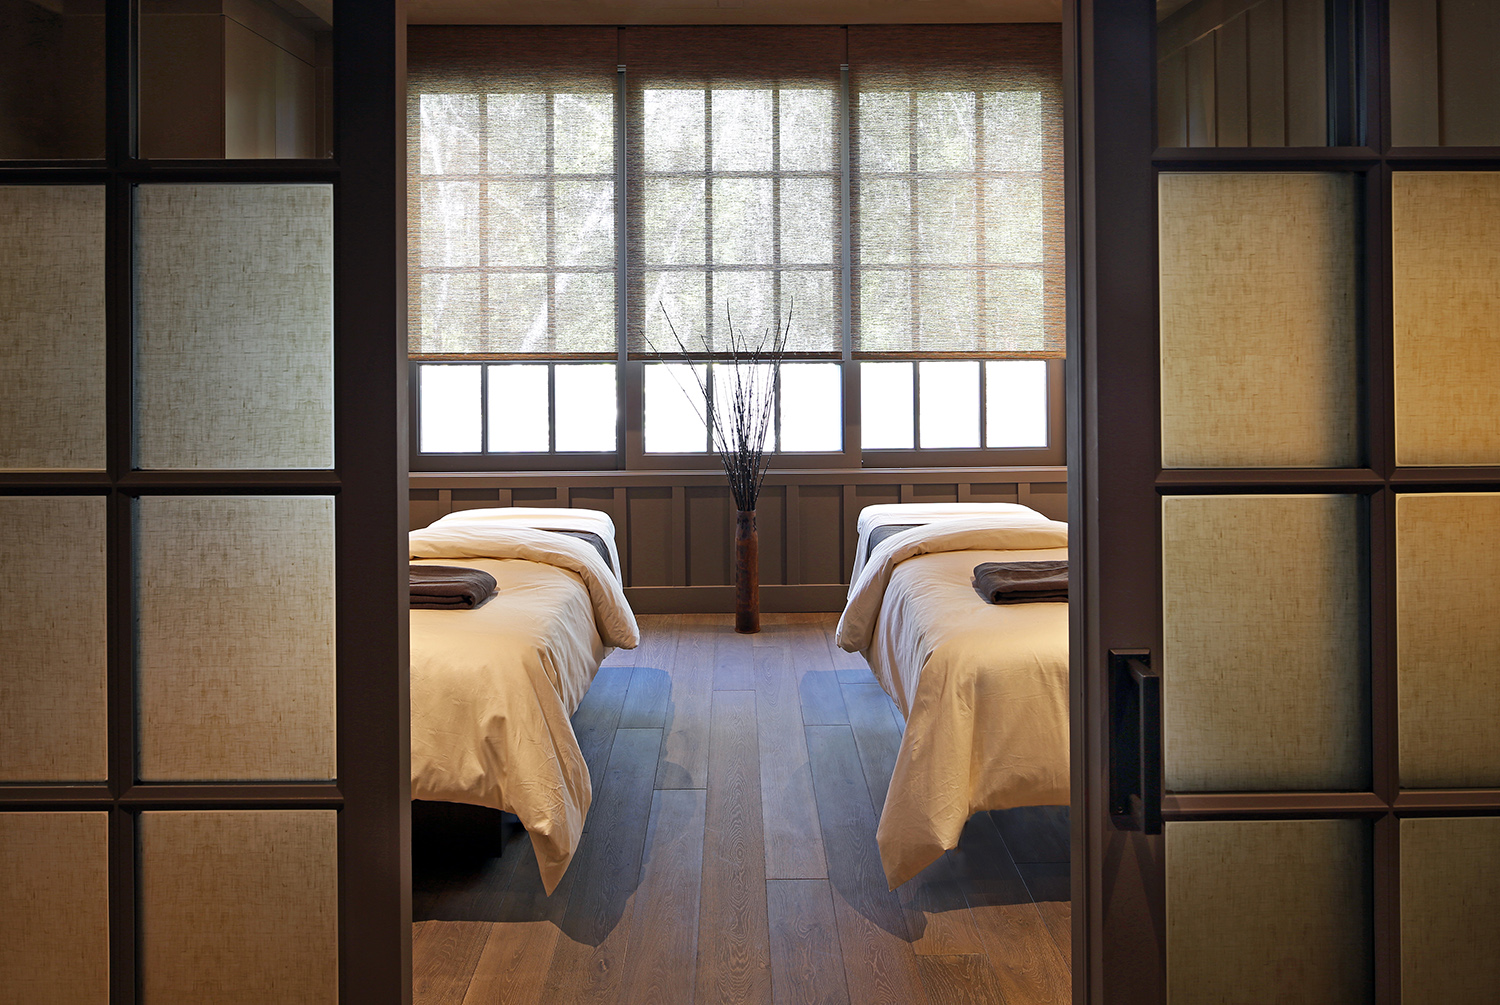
<point x="483" y="131"/>
<point x="981" y="176"/>
<point x="912" y="217"/>
<point x="776" y="252"/>
<point x="625" y="388"/>
<point x="549" y="199"/>
<point x="552" y="408"/>
<point x="708" y="260"/>
<point x="484" y="408"/>
<point x="852" y="412"/>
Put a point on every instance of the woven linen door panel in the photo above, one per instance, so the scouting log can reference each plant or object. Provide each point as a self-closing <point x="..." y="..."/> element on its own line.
<point x="1264" y="644"/>
<point x="1259" y="325"/>
<point x="54" y="646"/>
<point x="52" y="326"/>
<point x="235" y="649"/>
<point x="1445" y="246"/>
<point x="234" y="326"/>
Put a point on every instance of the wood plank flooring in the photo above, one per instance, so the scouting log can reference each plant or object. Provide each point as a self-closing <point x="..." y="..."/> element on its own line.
<point x="730" y="855"/>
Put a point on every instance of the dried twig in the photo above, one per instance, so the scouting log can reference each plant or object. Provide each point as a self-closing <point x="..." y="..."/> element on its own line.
<point x="740" y="425"/>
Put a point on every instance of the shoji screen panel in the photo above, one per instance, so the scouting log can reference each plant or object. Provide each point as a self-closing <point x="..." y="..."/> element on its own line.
<point x="1445" y="235"/>
<point x="235" y="644"/>
<point x="1259" y="323"/>
<point x="54" y="916"/>
<point x="1448" y="639"/>
<point x="1269" y="910"/>
<point x="54" y="643"/>
<point x="1450" y="909"/>
<point x="1263" y="615"/>
<point x="52" y="327"/>
<point x="234" y="326"/>
<point x="239" y="907"/>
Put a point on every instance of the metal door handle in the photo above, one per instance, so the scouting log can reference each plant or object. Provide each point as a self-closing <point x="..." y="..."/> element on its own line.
<point x="1134" y="741"/>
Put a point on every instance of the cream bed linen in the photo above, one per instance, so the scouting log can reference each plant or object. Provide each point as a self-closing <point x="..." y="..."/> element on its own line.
<point x="493" y="689"/>
<point x="899" y="514"/>
<point x="984" y="687"/>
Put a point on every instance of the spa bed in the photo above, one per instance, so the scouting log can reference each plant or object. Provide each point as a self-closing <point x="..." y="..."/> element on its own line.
<point x="983" y="687"/>
<point x="493" y="688"/>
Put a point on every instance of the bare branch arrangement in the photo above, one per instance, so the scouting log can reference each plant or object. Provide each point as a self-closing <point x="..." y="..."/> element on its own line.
<point x="740" y="405"/>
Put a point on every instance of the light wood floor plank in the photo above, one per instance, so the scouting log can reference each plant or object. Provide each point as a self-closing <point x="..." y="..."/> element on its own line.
<point x="960" y="980"/>
<point x="875" y="735"/>
<point x="794" y="842"/>
<point x="1050" y="885"/>
<point x="598" y="716"/>
<point x="879" y="965"/>
<point x="1034" y="833"/>
<point x="734" y="666"/>
<point x="662" y="962"/>
<point x="734" y="954"/>
<point x="807" y="966"/>
<point x="513" y="968"/>
<point x="444" y="954"/>
<point x="651" y="682"/>
<point x="1027" y="963"/>
<point x="684" y="754"/>
<point x="817" y="681"/>
<point x="589" y="961"/>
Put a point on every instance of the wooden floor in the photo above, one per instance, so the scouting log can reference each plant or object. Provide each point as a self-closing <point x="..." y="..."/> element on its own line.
<point x="730" y="852"/>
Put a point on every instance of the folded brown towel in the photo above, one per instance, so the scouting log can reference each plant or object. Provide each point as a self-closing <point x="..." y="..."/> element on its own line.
<point x="1021" y="582"/>
<point x="449" y="587"/>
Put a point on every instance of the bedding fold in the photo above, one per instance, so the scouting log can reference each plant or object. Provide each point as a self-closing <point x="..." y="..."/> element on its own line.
<point x="1022" y="582"/>
<point x="448" y="587"/>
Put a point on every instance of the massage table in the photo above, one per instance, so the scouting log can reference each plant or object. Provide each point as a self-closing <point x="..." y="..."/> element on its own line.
<point x="983" y="687"/>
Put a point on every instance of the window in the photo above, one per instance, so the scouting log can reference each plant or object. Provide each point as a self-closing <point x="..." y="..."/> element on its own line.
<point x="583" y="198"/>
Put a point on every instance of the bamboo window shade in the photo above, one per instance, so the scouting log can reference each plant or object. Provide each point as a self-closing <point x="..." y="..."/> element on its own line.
<point x="510" y="200"/>
<point x="957" y="191"/>
<point x="736" y="190"/>
<point x="734" y="165"/>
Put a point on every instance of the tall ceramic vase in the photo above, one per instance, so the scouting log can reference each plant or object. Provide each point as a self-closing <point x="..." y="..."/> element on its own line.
<point x="746" y="573"/>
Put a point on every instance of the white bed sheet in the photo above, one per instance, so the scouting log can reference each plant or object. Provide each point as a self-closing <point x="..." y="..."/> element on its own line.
<point x="493" y="689"/>
<point x="984" y="687"/>
<point x="900" y="514"/>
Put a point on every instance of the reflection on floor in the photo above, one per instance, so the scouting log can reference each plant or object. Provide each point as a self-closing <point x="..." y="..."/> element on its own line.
<point x="730" y="852"/>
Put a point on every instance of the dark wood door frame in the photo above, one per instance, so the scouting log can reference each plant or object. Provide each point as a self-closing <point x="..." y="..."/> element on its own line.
<point x="369" y="484"/>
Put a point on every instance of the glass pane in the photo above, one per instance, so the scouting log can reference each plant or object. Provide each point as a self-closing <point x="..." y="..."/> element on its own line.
<point x="1015" y="403"/>
<point x="1250" y="583"/>
<point x="52" y="326"/>
<point x="1255" y="904"/>
<point x="1450" y="909"/>
<point x="1445" y="252"/>
<point x="518" y="407"/>
<point x="583" y="133"/>
<point x="1447" y="639"/>
<point x="949" y="404"/>
<point x="1259" y="321"/>
<point x="54" y="634"/>
<point x="234" y="326"/>
<point x="1242" y="74"/>
<point x="812" y="417"/>
<point x="54" y="897"/>
<point x="250" y="81"/>
<point x="744" y="405"/>
<point x="675" y="409"/>
<point x="676" y="309"/>
<point x="235" y="638"/>
<point x="52" y="77"/>
<point x="885" y="406"/>
<point x="743" y="231"/>
<point x="742" y="129"/>
<point x="450" y="419"/>
<point x="587" y="406"/>
<point x="239" y="907"/>
<point x="807" y="129"/>
<point x="1445" y="65"/>
<point x="673" y="132"/>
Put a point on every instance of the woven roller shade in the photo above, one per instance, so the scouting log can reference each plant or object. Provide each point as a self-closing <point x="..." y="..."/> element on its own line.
<point x="734" y="165"/>
<point x="957" y="158"/>
<point x="511" y="191"/>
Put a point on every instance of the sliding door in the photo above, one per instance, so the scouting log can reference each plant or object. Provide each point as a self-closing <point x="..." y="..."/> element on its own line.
<point x="1288" y="496"/>
<point x="203" y="760"/>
